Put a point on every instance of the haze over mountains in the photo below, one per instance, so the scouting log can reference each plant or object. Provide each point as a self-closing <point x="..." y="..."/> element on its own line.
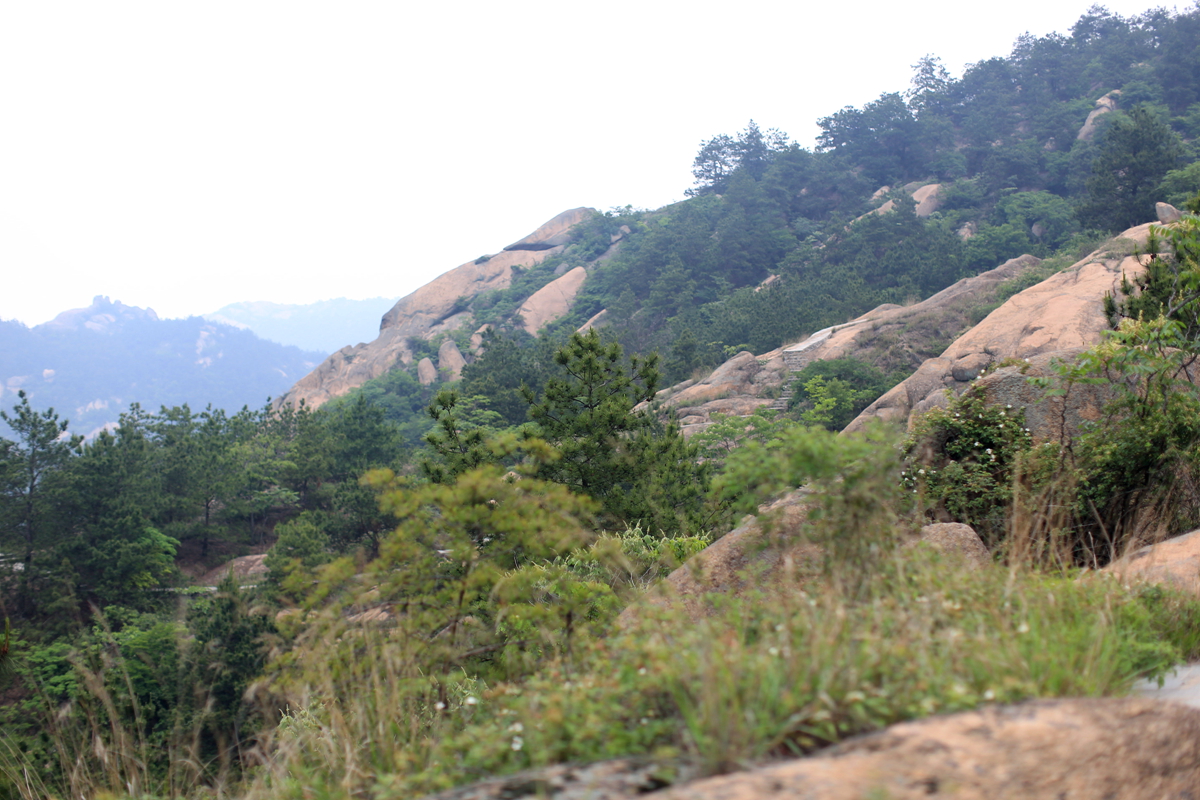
<point x="90" y="364"/>
<point x="324" y="326"/>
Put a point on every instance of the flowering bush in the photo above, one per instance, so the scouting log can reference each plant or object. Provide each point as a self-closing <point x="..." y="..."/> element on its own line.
<point x="961" y="458"/>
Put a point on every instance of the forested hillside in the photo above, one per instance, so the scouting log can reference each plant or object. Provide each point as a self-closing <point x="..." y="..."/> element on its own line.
<point x="1069" y="138"/>
<point x="455" y="572"/>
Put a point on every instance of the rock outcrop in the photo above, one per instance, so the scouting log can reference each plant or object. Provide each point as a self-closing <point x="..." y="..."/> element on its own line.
<point x="552" y="300"/>
<point x="1174" y="562"/>
<point x="437" y="307"/>
<point x="450" y="360"/>
<point x="1104" y="105"/>
<point x="890" y="337"/>
<point x="1064" y="311"/>
<point x="957" y="541"/>
<point x="1117" y="748"/>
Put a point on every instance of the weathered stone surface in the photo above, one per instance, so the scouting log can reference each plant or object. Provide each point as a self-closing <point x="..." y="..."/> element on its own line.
<point x="598" y="320"/>
<point x="1115" y="748"/>
<point x="732" y="377"/>
<point x="908" y="329"/>
<point x="758" y="554"/>
<point x="552" y="300"/>
<point x="241" y="567"/>
<point x="928" y="199"/>
<point x="434" y="308"/>
<point x="1174" y="562"/>
<point x="1063" y="312"/>
<point x="1103" y="106"/>
<point x="426" y="372"/>
<point x="1047" y="418"/>
<point x="956" y="539"/>
<point x="554" y="233"/>
<point x="1167" y="213"/>
<point x="450" y="360"/>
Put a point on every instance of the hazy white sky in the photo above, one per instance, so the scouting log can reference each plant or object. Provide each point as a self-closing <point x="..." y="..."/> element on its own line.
<point x="183" y="156"/>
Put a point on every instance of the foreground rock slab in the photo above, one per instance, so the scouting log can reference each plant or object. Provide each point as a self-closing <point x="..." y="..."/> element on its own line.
<point x="1079" y="749"/>
<point x="1173" y="562"/>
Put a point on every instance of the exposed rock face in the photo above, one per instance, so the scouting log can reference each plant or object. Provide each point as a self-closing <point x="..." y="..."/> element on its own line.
<point x="426" y="372"/>
<point x="1058" y="419"/>
<point x="890" y="336"/>
<point x="928" y="199"/>
<point x="1167" y="213"/>
<point x="956" y="539"/>
<point x="1062" y="312"/>
<point x="1117" y="748"/>
<point x="435" y="308"/>
<point x="911" y="328"/>
<point x="598" y="320"/>
<point x="1103" y="106"/>
<point x="552" y="300"/>
<point x="1174" y="562"/>
<point x="450" y="360"/>
<point x="757" y="554"/>
<point x="241" y="567"/>
<point x="554" y="233"/>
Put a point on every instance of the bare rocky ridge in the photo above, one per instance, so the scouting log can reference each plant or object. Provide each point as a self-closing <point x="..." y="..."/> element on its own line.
<point x="552" y="300"/>
<point x="437" y="307"/>
<point x="890" y="337"/>
<point x="1062" y="312"/>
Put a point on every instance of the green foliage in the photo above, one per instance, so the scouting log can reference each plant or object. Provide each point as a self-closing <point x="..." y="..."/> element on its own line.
<point x="640" y="470"/>
<point x="832" y="392"/>
<point x="1137" y="152"/>
<point x="960" y="462"/>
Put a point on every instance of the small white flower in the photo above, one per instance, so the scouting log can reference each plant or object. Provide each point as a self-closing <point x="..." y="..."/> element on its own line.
<point x="517" y="743"/>
<point x="1023" y="628"/>
<point x="989" y="695"/>
<point x="644" y="721"/>
<point x="773" y="651"/>
<point x="920" y="472"/>
<point x="439" y="705"/>
<point x="471" y="700"/>
<point x="1009" y="405"/>
<point x="516" y="727"/>
<point x="977" y="444"/>
<point x="642" y="671"/>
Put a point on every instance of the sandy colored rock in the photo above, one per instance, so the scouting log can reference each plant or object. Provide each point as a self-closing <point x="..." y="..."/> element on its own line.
<point x="450" y="360"/>
<point x="1174" y="562"/>
<point x="732" y="377"/>
<point x="598" y="320"/>
<point x="1104" y="105"/>
<point x="928" y="199"/>
<point x="760" y="552"/>
<point x="956" y="539"/>
<point x="426" y="372"/>
<point x="1058" y="419"/>
<point x="1080" y="749"/>
<point x="554" y="233"/>
<point x="1063" y="312"/>
<point x="241" y="567"/>
<point x="1167" y="213"/>
<point x="436" y="307"/>
<point x="552" y="300"/>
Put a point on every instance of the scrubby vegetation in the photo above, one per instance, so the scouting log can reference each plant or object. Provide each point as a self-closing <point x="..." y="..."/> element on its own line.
<point x="457" y="575"/>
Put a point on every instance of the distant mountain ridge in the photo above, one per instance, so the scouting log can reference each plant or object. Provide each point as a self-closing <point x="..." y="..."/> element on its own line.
<point x="324" y="326"/>
<point x="90" y="364"/>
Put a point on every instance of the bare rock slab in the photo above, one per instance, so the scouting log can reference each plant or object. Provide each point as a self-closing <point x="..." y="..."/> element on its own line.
<point x="1115" y="748"/>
